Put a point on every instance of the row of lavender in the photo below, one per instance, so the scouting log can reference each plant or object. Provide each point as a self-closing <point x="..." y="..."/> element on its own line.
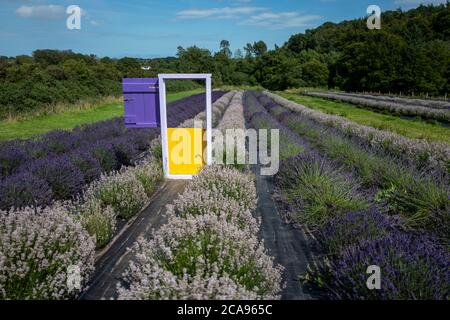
<point x="425" y="156"/>
<point x="436" y="104"/>
<point x="57" y="165"/>
<point x="337" y="202"/>
<point x="396" y="108"/>
<point x="209" y="247"/>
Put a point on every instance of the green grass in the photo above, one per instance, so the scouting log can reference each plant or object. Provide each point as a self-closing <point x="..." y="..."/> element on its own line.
<point x="318" y="193"/>
<point x="415" y="129"/>
<point x="70" y="119"/>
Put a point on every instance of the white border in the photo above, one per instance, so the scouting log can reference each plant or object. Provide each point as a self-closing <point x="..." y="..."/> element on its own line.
<point x="163" y="114"/>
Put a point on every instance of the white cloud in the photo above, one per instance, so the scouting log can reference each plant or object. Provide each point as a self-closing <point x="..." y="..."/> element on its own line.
<point x="251" y="16"/>
<point x="417" y="2"/>
<point x="281" y="20"/>
<point x="47" y="12"/>
<point x="218" y="13"/>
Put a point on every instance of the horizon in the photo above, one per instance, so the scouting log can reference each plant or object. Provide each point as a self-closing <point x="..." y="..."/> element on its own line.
<point x="38" y="24"/>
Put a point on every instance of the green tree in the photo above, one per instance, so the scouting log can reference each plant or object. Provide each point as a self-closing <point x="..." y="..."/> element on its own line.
<point x="277" y="70"/>
<point x="225" y="48"/>
<point x="315" y="73"/>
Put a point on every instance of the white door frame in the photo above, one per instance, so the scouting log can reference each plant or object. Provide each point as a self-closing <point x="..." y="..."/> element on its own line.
<point x="163" y="114"/>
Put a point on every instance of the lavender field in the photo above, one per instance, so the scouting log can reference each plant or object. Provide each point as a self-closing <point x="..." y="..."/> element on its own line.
<point x="351" y="195"/>
<point x="428" y="110"/>
<point x="365" y="202"/>
<point x="57" y="165"/>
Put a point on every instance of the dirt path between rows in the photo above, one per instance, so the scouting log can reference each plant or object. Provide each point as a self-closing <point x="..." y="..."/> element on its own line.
<point x="289" y="245"/>
<point x="111" y="265"/>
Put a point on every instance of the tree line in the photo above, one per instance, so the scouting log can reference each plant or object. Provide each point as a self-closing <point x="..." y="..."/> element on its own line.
<point x="410" y="54"/>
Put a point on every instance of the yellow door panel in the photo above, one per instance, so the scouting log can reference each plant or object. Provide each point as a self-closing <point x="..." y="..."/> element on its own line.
<point x="186" y="148"/>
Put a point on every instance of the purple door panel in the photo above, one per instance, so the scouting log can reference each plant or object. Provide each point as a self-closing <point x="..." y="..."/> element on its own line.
<point x="141" y="102"/>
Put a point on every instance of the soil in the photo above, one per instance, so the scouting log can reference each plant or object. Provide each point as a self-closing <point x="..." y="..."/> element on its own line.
<point x="290" y="246"/>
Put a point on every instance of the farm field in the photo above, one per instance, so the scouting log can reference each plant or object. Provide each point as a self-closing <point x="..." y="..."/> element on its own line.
<point x="411" y="128"/>
<point x="58" y="164"/>
<point x="361" y="204"/>
<point x="68" y="120"/>
<point x="342" y="199"/>
<point x="225" y="159"/>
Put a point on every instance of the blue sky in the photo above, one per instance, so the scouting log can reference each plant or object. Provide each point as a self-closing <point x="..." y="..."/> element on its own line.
<point x="145" y="28"/>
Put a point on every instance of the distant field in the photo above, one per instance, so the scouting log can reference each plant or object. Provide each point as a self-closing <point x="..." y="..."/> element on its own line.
<point x="410" y="128"/>
<point x="68" y="120"/>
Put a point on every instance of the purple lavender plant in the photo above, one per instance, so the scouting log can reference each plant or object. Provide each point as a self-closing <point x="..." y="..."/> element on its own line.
<point x="383" y="105"/>
<point x="412" y="267"/>
<point x="11" y="157"/>
<point x="61" y="141"/>
<point x="24" y="189"/>
<point x="64" y="178"/>
<point x="104" y="152"/>
<point x="124" y="150"/>
<point x="89" y="166"/>
<point x="345" y="230"/>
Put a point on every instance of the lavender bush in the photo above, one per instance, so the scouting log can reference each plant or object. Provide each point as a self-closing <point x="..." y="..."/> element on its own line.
<point x="36" y="250"/>
<point x="349" y="229"/>
<point x="23" y="189"/>
<point x="89" y="166"/>
<point x="218" y="109"/>
<point x="422" y="199"/>
<point x="11" y="157"/>
<point x="259" y="118"/>
<point x="412" y="267"/>
<point x="64" y="178"/>
<point x="316" y="190"/>
<point x="124" y="150"/>
<point x="233" y="116"/>
<point x="201" y="257"/>
<point x="392" y="107"/>
<point x="196" y="201"/>
<point x="97" y="219"/>
<point x="148" y="173"/>
<point x="430" y="156"/>
<point x="229" y="182"/>
<point x="104" y="153"/>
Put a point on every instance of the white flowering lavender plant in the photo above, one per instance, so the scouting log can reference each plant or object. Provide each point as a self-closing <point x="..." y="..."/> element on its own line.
<point x="97" y="219"/>
<point x="201" y="257"/>
<point x="120" y="190"/>
<point x="148" y="172"/>
<point x="37" y="250"/>
<point x="229" y="182"/>
<point x="195" y="202"/>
